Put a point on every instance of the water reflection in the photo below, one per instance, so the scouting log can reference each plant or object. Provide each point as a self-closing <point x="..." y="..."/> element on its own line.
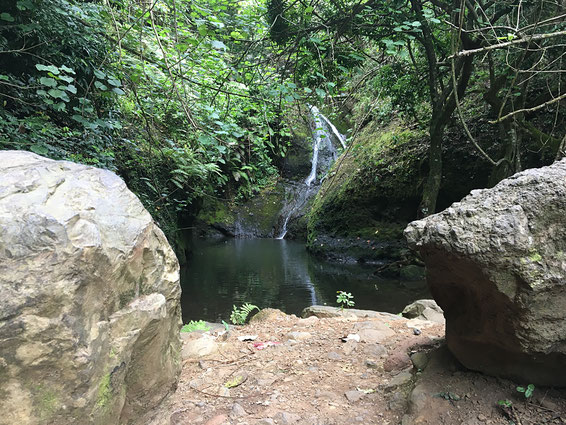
<point x="279" y="274"/>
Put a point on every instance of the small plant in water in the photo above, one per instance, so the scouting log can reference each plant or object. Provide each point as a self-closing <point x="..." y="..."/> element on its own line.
<point x="192" y="326"/>
<point x="239" y="315"/>
<point x="528" y="391"/>
<point x="345" y="299"/>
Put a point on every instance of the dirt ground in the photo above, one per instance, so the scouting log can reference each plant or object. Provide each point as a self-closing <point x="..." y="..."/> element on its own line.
<point x="300" y="371"/>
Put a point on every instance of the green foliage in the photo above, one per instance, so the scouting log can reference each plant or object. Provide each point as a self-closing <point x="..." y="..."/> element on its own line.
<point x="505" y="403"/>
<point x="179" y="98"/>
<point x="344" y="299"/>
<point x="239" y="315"/>
<point x="527" y="391"/>
<point x="199" y="325"/>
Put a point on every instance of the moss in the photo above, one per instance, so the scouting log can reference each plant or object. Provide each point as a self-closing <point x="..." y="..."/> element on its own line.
<point x="373" y="189"/>
<point x="535" y="257"/>
<point x="216" y="212"/>
<point x="47" y="402"/>
<point x="104" y="392"/>
<point x="126" y="297"/>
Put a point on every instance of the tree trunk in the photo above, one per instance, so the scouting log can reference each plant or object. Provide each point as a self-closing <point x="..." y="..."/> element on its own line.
<point x="434" y="179"/>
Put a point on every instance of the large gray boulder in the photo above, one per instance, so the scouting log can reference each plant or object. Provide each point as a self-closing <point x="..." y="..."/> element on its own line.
<point x="90" y="313"/>
<point x="496" y="264"/>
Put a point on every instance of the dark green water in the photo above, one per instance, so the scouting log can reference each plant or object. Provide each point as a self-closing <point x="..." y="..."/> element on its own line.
<point x="279" y="274"/>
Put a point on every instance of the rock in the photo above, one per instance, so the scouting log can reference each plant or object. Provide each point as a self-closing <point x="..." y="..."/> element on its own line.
<point x="299" y="336"/>
<point x="269" y="315"/>
<point x="418" y="399"/>
<point x="353" y="395"/>
<point x="333" y="355"/>
<point x="424" y="310"/>
<point x="349" y="347"/>
<point x="373" y="332"/>
<point x="398" y="401"/>
<point x="90" y="314"/>
<point x="322" y="311"/>
<point x="286" y="418"/>
<point x="420" y="360"/>
<point x="397" y="360"/>
<point x="496" y="265"/>
<point x="371" y="364"/>
<point x="375" y="350"/>
<point x="418" y="325"/>
<point x="217" y="420"/>
<point x="309" y="321"/>
<point x="401" y="379"/>
<point x="265" y="421"/>
<point x="237" y="411"/>
<point x="199" y="347"/>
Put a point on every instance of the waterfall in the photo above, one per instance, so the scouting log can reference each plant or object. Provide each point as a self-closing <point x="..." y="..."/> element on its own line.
<point x="323" y="154"/>
<point x="300" y="194"/>
<point x="341" y="138"/>
<point x="318" y="134"/>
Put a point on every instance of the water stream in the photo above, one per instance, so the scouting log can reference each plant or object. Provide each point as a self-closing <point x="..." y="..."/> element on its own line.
<point x="279" y="274"/>
<point x="298" y="193"/>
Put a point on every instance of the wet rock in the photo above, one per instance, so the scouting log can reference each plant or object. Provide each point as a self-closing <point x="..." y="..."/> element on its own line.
<point x="90" y="314"/>
<point x="496" y="265"/>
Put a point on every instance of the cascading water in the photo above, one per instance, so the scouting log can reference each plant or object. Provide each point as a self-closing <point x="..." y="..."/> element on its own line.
<point x="322" y="147"/>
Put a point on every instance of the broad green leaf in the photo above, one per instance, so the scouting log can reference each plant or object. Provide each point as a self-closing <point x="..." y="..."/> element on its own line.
<point x="118" y="90"/>
<point x="6" y="17"/>
<point x="24" y="5"/>
<point x="114" y="82"/>
<point x="99" y="74"/>
<point x="56" y="93"/>
<point x="67" y="69"/>
<point x="49" y="68"/>
<point x="100" y="86"/>
<point x="49" y="82"/>
<point x="71" y="88"/>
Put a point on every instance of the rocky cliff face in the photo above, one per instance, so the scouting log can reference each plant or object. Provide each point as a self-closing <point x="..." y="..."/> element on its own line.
<point x="496" y="264"/>
<point x="90" y="314"/>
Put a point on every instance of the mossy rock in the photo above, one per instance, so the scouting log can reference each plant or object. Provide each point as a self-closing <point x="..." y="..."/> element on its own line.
<point x="370" y="195"/>
<point x="257" y="217"/>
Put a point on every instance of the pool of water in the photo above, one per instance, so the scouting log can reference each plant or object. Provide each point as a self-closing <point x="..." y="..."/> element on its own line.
<point x="279" y="274"/>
